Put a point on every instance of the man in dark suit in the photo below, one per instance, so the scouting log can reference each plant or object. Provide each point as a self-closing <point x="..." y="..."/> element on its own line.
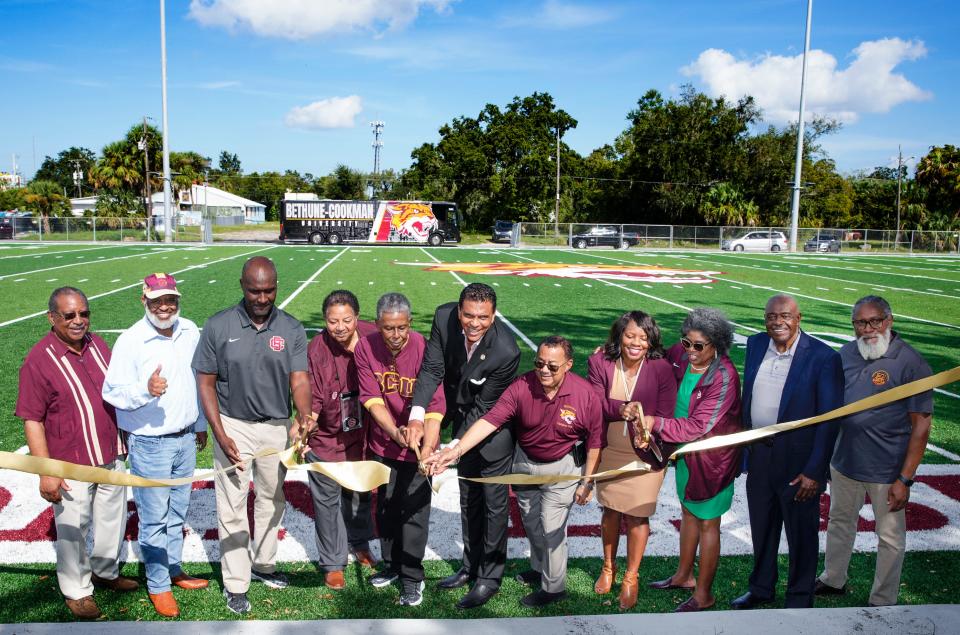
<point x="475" y="357"/>
<point x="788" y="375"/>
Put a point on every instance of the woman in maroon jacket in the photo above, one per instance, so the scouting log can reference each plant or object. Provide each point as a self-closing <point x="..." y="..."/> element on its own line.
<point x="708" y="404"/>
<point x="630" y="369"/>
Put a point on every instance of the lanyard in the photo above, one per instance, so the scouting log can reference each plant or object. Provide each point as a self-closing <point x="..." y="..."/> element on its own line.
<point x="628" y="390"/>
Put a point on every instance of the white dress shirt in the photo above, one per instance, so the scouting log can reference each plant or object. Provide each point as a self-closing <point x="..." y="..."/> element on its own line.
<point x="768" y="385"/>
<point x="136" y="355"/>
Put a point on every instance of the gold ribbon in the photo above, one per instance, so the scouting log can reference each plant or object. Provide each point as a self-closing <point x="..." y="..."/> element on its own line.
<point x="360" y="476"/>
<point x="873" y="401"/>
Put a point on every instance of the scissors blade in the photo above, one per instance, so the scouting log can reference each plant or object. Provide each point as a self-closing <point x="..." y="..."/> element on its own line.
<point x="653" y="446"/>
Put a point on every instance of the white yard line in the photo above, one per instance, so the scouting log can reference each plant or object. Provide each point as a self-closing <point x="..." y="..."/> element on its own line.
<point x="886" y="273"/>
<point x="316" y="273"/>
<point x="50" y="253"/>
<point x="731" y="282"/>
<point x="724" y="263"/>
<point x="526" y="340"/>
<point x="137" y="284"/>
<point x="945" y="453"/>
<point x="72" y="264"/>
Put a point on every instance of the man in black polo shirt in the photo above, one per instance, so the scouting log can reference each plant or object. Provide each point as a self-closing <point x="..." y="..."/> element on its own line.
<point x="250" y="359"/>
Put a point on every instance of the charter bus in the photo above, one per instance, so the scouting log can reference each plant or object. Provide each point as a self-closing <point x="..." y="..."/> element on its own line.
<point x="304" y="217"/>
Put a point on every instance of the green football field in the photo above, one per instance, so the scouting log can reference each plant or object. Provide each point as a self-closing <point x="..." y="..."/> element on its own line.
<point x="541" y="292"/>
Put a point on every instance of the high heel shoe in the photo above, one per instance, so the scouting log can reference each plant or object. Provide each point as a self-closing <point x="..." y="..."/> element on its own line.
<point x="628" y="591"/>
<point x="607" y="575"/>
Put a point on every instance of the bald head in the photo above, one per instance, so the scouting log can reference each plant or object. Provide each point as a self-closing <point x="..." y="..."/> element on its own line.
<point x="782" y="318"/>
<point x="259" y="283"/>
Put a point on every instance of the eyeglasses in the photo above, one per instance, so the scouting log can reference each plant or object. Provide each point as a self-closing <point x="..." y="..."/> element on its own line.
<point x="553" y="368"/>
<point x="72" y="315"/>
<point x="874" y="323"/>
<point x="697" y="346"/>
<point x="165" y="300"/>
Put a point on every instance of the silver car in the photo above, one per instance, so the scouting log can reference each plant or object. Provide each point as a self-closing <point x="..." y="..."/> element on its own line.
<point x="761" y="240"/>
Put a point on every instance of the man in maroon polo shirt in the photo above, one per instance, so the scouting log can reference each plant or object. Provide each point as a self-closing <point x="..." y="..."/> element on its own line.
<point x="388" y="363"/>
<point x="65" y="418"/>
<point x="553" y="410"/>
<point x="342" y="516"/>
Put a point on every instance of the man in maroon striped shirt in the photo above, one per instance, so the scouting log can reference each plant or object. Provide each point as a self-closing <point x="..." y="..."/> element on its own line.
<point x="388" y="363"/>
<point x="65" y="418"/>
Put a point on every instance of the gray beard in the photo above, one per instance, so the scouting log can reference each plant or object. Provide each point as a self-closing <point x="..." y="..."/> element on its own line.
<point x="161" y="324"/>
<point x="874" y="351"/>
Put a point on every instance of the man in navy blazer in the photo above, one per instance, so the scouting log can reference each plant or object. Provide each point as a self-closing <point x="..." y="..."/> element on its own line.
<point x="788" y="375"/>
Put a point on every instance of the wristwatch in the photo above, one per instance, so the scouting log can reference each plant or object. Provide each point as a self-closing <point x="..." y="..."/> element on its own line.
<point x="903" y="479"/>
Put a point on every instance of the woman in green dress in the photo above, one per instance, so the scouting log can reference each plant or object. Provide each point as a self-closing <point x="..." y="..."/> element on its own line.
<point x="708" y="404"/>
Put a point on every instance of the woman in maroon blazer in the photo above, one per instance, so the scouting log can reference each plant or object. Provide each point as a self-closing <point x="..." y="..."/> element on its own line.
<point x="630" y="369"/>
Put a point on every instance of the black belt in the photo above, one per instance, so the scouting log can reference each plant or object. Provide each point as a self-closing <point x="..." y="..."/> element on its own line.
<point x="263" y="420"/>
<point x="169" y="435"/>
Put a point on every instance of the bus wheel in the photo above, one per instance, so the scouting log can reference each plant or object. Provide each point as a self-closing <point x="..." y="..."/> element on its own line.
<point x="435" y="240"/>
<point x="334" y="238"/>
<point x="316" y="238"/>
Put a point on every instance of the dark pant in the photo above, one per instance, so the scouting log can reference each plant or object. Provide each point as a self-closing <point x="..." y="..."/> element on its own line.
<point x="770" y="499"/>
<point x="341" y="517"/>
<point x="403" y="519"/>
<point x="484" y="515"/>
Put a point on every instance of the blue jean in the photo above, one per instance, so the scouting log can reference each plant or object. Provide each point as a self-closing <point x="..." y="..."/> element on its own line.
<point x="162" y="510"/>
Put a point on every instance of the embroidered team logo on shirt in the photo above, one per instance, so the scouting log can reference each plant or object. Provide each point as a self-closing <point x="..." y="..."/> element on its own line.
<point x="880" y="378"/>
<point x="277" y="343"/>
<point x="568" y="415"/>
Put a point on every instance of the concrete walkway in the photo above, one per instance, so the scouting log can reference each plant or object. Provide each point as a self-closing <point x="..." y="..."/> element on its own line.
<point x="916" y="620"/>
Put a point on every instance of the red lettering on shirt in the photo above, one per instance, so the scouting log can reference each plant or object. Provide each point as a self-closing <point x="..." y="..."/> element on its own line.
<point x="277" y="343"/>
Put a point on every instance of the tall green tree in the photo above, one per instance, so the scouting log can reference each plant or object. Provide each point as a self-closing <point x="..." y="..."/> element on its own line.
<point x="61" y="169"/>
<point x="44" y="198"/>
<point x="939" y="173"/>
<point x="344" y="184"/>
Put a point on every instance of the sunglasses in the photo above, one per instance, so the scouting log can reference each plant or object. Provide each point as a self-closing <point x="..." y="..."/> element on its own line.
<point x="553" y="368"/>
<point x="874" y="323"/>
<point x="697" y="346"/>
<point x="72" y="315"/>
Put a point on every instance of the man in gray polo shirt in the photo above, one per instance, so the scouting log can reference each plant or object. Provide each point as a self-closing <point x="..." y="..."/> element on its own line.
<point x="250" y="359"/>
<point x="878" y="450"/>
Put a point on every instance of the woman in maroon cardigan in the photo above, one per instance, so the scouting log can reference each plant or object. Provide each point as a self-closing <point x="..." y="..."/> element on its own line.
<point x="708" y="404"/>
<point x="630" y="369"/>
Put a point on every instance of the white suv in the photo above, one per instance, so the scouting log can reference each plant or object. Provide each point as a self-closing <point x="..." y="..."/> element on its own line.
<point x="757" y="241"/>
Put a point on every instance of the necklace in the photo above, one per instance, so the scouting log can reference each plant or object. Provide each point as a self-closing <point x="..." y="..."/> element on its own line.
<point x="699" y="369"/>
<point x="628" y="389"/>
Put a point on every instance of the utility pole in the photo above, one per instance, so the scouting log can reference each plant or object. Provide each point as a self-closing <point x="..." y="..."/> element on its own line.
<point x="77" y="176"/>
<point x="896" y="239"/>
<point x="798" y="166"/>
<point x="144" y="145"/>
<point x="377" y="145"/>
<point x="556" y="207"/>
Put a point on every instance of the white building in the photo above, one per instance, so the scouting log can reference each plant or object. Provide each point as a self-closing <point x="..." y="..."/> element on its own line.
<point x="200" y="199"/>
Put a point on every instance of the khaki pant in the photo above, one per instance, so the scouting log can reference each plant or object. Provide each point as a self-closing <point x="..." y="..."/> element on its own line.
<point x="846" y="499"/>
<point x="232" y="490"/>
<point x="103" y="506"/>
<point x="544" y="510"/>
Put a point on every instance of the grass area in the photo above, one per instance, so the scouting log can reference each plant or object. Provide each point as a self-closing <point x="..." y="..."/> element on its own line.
<point x="31" y="594"/>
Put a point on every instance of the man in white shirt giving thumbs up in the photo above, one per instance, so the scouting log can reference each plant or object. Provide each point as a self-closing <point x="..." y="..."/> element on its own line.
<point x="154" y="389"/>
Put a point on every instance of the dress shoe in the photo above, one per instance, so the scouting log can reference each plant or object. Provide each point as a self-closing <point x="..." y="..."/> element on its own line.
<point x="629" y="589"/>
<point x="749" y="601"/>
<point x="608" y="572"/>
<point x="667" y="583"/>
<point x="479" y="595"/>
<point x="165" y="604"/>
<point x="84" y="608"/>
<point x="364" y="557"/>
<point x="119" y="583"/>
<point x="455" y="581"/>
<point x="189" y="583"/>
<point x="334" y="580"/>
<point x="819" y="588"/>
<point x="542" y="598"/>
<point x="529" y="577"/>
<point x="691" y="606"/>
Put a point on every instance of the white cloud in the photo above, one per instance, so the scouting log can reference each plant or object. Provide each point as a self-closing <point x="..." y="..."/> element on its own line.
<point x="867" y="85"/>
<point x="301" y="19"/>
<point x="335" y="112"/>
<point x="220" y="85"/>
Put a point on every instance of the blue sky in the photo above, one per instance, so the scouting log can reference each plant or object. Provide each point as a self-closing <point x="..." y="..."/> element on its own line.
<point x="293" y="84"/>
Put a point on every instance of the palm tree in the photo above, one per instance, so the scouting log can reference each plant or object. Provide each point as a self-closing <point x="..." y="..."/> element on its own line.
<point x="724" y="204"/>
<point x="44" y="198"/>
<point x="120" y="168"/>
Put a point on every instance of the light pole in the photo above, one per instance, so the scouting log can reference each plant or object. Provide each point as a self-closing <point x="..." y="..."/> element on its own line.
<point x="556" y="207"/>
<point x="144" y="144"/>
<point x="798" y="166"/>
<point x="77" y="176"/>
<point x="896" y="238"/>
<point x="167" y="234"/>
